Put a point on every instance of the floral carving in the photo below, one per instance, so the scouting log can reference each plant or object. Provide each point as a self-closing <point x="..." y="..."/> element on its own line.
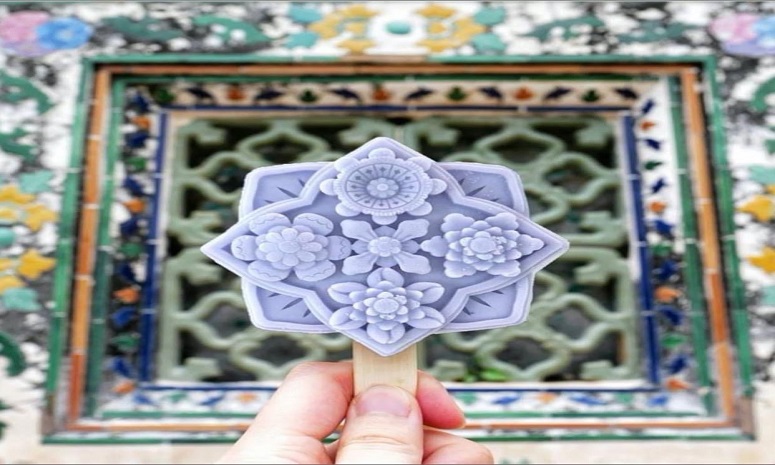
<point x="280" y="246"/>
<point x="493" y="245"/>
<point x="359" y="210"/>
<point x="383" y="186"/>
<point x="385" y="247"/>
<point x="385" y="306"/>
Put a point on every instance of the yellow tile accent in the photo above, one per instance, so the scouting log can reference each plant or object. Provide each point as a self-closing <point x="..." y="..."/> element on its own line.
<point x="437" y="45"/>
<point x="461" y="32"/>
<point x="356" y="45"/>
<point x="32" y="264"/>
<point x="9" y="282"/>
<point x="771" y="189"/>
<point x="9" y="215"/>
<point x="37" y="215"/>
<point x="10" y="193"/>
<point x="465" y="28"/>
<point x="358" y="28"/>
<point x="434" y="10"/>
<point x="436" y="27"/>
<point x="765" y="260"/>
<point x="358" y="11"/>
<point x="6" y="264"/>
<point x="760" y="206"/>
<point x="326" y="28"/>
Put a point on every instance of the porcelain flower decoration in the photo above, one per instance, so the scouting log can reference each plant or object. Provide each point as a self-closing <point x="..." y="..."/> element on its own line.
<point x="280" y="246"/>
<point x="35" y="33"/>
<point x="385" y="306"/>
<point x="63" y="33"/>
<point x="492" y="245"/>
<point x="383" y="186"/>
<point x="385" y="247"/>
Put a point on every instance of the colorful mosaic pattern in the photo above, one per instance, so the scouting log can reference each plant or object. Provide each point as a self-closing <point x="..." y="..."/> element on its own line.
<point x="39" y="188"/>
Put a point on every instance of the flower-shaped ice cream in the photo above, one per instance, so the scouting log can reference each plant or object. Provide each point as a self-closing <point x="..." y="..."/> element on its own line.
<point x="280" y="247"/>
<point x="385" y="247"/>
<point x="385" y="306"/>
<point x="493" y="245"/>
<point x="383" y="186"/>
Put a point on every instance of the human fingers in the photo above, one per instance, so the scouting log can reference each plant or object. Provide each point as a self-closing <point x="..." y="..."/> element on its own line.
<point x="384" y="425"/>
<point x="441" y="447"/>
<point x="308" y="406"/>
<point x="438" y="407"/>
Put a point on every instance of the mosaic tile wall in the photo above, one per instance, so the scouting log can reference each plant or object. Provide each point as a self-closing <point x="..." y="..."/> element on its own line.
<point x="43" y="85"/>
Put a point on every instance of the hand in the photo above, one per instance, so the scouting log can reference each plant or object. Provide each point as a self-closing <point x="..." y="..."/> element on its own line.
<point x="384" y="424"/>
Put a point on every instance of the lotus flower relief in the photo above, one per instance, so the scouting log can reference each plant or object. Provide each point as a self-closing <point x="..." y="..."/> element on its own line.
<point x="280" y="246"/>
<point x="385" y="247"/>
<point x="492" y="245"/>
<point x="385" y="306"/>
<point x="383" y="186"/>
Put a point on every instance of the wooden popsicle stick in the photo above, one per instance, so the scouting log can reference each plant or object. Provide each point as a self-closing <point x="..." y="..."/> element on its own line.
<point x="370" y="368"/>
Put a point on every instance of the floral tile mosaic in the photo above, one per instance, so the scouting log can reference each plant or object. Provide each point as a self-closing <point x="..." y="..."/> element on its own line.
<point x="43" y="82"/>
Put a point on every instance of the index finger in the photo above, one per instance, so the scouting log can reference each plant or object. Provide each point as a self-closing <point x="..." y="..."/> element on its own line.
<point x="320" y="394"/>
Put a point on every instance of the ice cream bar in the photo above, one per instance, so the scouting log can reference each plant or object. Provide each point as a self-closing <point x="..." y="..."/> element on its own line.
<point x="386" y="246"/>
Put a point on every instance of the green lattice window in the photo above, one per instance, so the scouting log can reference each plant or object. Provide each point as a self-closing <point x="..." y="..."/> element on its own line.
<point x="583" y="320"/>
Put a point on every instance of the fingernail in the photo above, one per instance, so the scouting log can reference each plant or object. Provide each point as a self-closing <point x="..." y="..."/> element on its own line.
<point x="384" y="399"/>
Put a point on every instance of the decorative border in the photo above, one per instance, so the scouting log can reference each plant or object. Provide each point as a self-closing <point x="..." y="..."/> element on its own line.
<point x="710" y="257"/>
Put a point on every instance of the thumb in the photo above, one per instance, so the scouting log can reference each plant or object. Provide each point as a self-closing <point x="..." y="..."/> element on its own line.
<point x="384" y="425"/>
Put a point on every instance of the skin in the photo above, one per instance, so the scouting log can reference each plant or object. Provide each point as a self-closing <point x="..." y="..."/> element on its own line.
<point x="384" y="424"/>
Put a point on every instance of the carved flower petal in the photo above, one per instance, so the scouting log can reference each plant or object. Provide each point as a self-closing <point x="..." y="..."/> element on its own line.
<point x="327" y="187"/>
<point x="266" y="272"/>
<point x="263" y="223"/>
<point x="458" y="269"/>
<point x="385" y="274"/>
<point x="341" y="292"/>
<point x="386" y="336"/>
<point x="382" y="152"/>
<point x="344" y="210"/>
<point x="244" y="248"/>
<point x="347" y="318"/>
<point x="431" y="318"/>
<point x="510" y="268"/>
<point x="528" y="244"/>
<point x="436" y="246"/>
<point x="358" y="264"/>
<point x="383" y="219"/>
<point x="431" y="292"/>
<point x="410" y="246"/>
<point x="358" y="230"/>
<point x="413" y="263"/>
<point x="422" y="210"/>
<point x="360" y="247"/>
<point x="424" y="162"/>
<point x="338" y="247"/>
<point x="321" y="270"/>
<point x="411" y="229"/>
<point x="379" y="335"/>
<point x="456" y="222"/>
<point x="344" y="163"/>
<point x="384" y="231"/>
<point x="386" y="262"/>
<point x="318" y="224"/>
<point x="503" y="220"/>
<point x="439" y="186"/>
